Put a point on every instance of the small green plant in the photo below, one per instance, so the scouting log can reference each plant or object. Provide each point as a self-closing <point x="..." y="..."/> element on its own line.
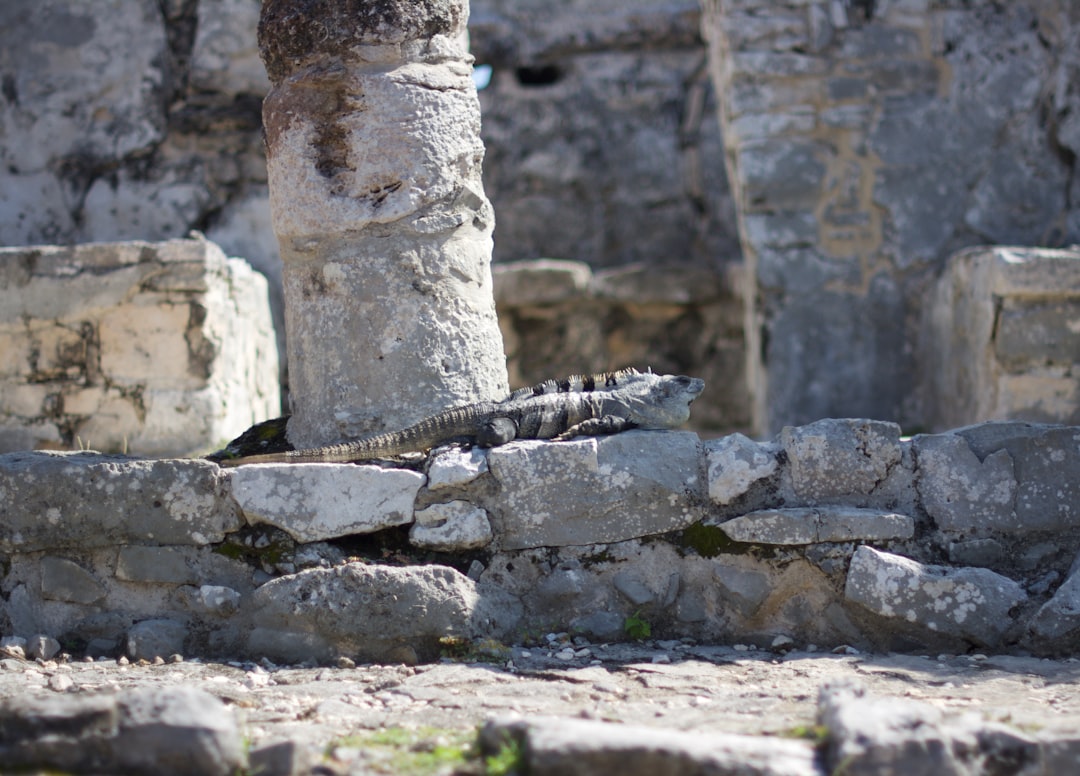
<point x="818" y="734"/>
<point x="637" y="627"/>
<point x="506" y="761"/>
<point x="420" y="752"/>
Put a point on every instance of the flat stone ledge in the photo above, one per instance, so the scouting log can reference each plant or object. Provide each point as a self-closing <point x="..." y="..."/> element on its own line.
<point x="315" y="502"/>
<point x="596" y="490"/>
<point x="810" y="525"/>
<point x="554" y="746"/>
<point x="82" y="500"/>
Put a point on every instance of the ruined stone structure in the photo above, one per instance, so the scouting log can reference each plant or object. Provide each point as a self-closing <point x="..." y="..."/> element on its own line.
<point x="835" y="533"/>
<point x="602" y="141"/>
<point x="1001" y="338"/>
<point x="150" y="348"/>
<point x="866" y="142"/>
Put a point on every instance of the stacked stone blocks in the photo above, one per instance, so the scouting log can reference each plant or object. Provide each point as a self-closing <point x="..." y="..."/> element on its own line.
<point x="840" y="532"/>
<point x="1002" y="337"/>
<point x="866" y="143"/>
<point x="157" y="348"/>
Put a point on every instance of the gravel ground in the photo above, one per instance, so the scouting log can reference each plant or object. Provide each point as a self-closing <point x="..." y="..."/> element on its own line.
<point x="667" y="685"/>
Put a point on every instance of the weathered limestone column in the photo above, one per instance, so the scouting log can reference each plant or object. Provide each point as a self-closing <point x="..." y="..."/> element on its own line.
<point x="374" y="160"/>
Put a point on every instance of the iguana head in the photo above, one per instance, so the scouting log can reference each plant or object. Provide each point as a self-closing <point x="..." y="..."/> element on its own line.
<point x="661" y="401"/>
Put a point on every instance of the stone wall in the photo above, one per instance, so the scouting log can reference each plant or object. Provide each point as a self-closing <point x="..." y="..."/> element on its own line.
<point x="839" y="534"/>
<point x="866" y="142"/>
<point x="599" y="121"/>
<point x="154" y="348"/>
<point x="1001" y="338"/>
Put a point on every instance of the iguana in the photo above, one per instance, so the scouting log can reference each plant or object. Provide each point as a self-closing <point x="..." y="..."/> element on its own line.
<point x="557" y="409"/>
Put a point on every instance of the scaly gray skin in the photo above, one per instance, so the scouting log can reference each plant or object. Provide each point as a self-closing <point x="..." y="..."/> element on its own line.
<point x="585" y="405"/>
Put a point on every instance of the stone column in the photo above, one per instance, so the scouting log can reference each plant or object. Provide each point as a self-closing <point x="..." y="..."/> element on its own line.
<point x="374" y="160"/>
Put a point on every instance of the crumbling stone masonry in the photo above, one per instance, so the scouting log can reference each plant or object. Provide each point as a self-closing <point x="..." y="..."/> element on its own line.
<point x="865" y="143"/>
<point x="1001" y="338"/>
<point x="157" y="348"/>
<point x="840" y="532"/>
<point x="679" y="320"/>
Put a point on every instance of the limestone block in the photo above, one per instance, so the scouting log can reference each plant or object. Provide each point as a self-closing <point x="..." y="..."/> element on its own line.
<point x="182" y="730"/>
<point x="455" y="467"/>
<point x="971" y="604"/>
<point x="374" y="168"/>
<point x="218" y="599"/>
<point x="976" y="552"/>
<point x="451" y="527"/>
<point x="156" y="348"/>
<point x="41" y="646"/>
<point x="362" y="611"/>
<point x="1001" y="337"/>
<point x="173" y="565"/>
<point x="1059" y="618"/>
<point x="742" y="588"/>
<point x="313" y="502"/>
<point x="736" y="463"/>
<point x="964" y="494"/>
<point x="155" y="638"/>
<point x="633" y="589"/>
<point x="782" y="175"/>
<point x="225" y="54"/>
<point x="81" y="500"/>
<point x="596" y="490"/>
<point x="840" y="458"/>
<point x="806" y="525"/>
<point x="1047" y="469"/>
<point x="542" y="281"/>
<point x="66" y="580"/>
<point x="868" y="735"/>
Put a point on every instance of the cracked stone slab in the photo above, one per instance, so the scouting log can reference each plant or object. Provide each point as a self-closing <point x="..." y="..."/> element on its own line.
<point x="314" y="502"/>
<point x="813" y="525"/>
<point x="841" y="457"/>
<point x="83" y="500"/>
<point x="963" y="493"/>
<point x="1047" y="469"/>
<point x="972" y="604"/>
<point x="735" y="463"/>
<point x="596" y="490"/>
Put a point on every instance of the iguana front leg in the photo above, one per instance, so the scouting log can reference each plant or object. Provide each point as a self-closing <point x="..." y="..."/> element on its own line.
<point x="608" y="424"/>
<point x="495" y="432"/>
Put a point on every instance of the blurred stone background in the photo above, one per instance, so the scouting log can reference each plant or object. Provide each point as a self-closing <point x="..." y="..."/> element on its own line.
<point x="784" y="252"/>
